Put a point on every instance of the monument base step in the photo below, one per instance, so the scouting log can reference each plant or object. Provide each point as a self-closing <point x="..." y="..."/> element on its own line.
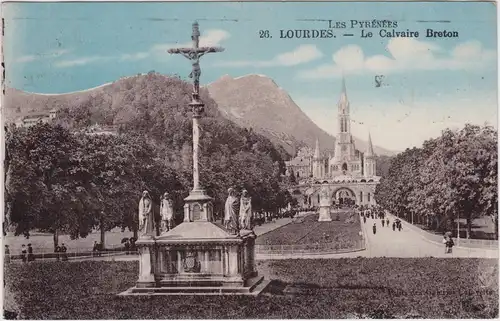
<point x="254" y="287"/>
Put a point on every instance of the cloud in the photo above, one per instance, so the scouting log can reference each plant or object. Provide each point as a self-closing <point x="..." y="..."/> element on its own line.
<point x="301" y="54"/>
<point x="79" y="61"/>
<point x="135" y="56"/>
<point x="405" y="54"/>
<point x="210" y="38"/>
<point x="48" y="54"/>
<point x="27" y="58"/>
<point x="396" y="126"/>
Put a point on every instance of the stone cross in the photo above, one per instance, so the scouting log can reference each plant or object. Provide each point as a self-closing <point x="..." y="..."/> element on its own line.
<point x="194" y="54"/>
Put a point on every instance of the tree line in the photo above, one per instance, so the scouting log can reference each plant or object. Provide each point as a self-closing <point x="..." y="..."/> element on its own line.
<point x="60" y="179"/>
<point x="449" y="177"/>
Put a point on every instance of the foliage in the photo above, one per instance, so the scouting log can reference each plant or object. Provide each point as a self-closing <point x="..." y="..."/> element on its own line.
<point x="74" y="182"/>
<point x="300" y="289"/>
<point x="453" y="176"/>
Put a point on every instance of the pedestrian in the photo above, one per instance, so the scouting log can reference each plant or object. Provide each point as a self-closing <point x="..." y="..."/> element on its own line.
<point x="449" y="244"/>
<point x="387" y="221"/>
<point x="31" y="256"/>
<point x="23" y="253"/>
<point x="7" y="254"/>
<point x="374" y="228"/>
<point x="95" y="249"/>
<point x="393" y="226"/>
<point x="57" y="250"/>
<point x="63" y="251"/>
<point x="364" y="219"/>
<point x="400" y="226"/>
<point x="445" y="242"/>
<point x="383" y="222"/>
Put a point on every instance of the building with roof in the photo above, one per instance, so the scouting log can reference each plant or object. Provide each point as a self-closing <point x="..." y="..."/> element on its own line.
<point x="349" y="173"/>
<point x="30" y="119"/>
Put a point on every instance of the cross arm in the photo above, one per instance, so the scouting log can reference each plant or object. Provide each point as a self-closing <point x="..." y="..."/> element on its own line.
<point x="197" y="50"/>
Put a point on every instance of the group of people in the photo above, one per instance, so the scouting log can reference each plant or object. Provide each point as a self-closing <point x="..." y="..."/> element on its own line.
<point x="27" y="254"/>
<point x="146" y="216"/>
<point x="61" y="252"/>
<point x="375" y="212"/>
<point x="238" y="215"/>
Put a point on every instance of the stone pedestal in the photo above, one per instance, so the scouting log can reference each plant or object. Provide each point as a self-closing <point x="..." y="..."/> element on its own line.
<point x="198" y="257"/>
<point x="324" y="214"/>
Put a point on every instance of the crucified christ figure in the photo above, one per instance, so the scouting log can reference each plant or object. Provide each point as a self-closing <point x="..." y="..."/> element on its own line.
<point x="194" y="54"/>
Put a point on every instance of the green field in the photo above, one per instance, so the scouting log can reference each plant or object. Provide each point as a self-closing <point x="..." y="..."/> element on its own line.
<point x="341" y="232"/>
<point x="341" y="288"/>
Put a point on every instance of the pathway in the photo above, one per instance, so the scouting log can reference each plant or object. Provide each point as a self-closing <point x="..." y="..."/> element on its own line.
<point x="408" y="243"/>
<point x="386" y="242"/>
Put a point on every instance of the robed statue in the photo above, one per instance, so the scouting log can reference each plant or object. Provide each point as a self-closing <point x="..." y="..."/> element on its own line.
<point x="245" y="211"/>
<point x="231" y="212"/>
<point x="167" y="212"/>
<point x="146" y="217"/>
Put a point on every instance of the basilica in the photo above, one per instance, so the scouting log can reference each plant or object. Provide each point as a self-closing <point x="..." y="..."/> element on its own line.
<point x="349" y="173"/>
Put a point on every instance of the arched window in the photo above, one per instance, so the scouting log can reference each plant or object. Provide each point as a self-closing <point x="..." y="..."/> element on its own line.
<point x="341" y="126"/>
<point x="368" y="197"/>
<point x="361" y="196"/>
<point x="318" y="198"/>
<point x="344" y="167"/>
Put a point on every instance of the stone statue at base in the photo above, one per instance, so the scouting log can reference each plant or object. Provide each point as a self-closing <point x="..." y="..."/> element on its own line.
<point x="231" y="212"/>
<point x="245" y="211"/>
<point x="167" y="212"/>
<point x="146" y="218"/>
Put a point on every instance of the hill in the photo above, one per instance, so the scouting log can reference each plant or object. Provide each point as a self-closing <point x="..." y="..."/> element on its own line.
<point x="256" y="101"/>
<point x="155" y="108"/>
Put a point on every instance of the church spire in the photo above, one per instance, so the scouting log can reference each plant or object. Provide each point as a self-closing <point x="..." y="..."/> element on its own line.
<point x="316" y="151"/>
<point x="343" y="103"/>
<point x="369" y="151"/>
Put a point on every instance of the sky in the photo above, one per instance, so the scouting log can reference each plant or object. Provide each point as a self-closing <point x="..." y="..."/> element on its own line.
<point x="428" y="84"/>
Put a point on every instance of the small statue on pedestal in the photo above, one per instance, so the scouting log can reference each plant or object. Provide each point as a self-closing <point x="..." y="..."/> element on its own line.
<point x="146" y="218"/>
<point x="245" y="211"/>
<point x="167" y="212"/>
<point x="231" y="212"/>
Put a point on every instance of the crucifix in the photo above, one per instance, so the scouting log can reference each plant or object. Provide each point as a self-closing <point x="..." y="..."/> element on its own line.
<point x="194" y="54"/>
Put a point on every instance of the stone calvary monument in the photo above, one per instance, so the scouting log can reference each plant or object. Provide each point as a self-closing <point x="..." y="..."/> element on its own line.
<point x="198" y="256"/>
<point x="324" y="205"/>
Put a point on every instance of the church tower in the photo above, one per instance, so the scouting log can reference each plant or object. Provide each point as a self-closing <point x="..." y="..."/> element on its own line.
<point x="344" y="149"/>
<point x="316" y="162"/>
<point x="370" y="168"/>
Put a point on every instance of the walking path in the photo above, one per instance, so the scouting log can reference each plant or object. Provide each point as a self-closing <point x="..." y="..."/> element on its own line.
<point x="384" y="243"/>
<point x="408" y="243"/>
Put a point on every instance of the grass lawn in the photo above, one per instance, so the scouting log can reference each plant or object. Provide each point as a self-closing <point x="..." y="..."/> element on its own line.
<point x="340" y="232"/>
<point x="342" y="288"/>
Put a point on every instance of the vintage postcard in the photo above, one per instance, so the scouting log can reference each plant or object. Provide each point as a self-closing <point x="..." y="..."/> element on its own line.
<point x="250" y="160"/>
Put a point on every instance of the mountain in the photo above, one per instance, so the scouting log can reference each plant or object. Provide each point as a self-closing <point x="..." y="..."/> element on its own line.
<point x="256" y="101"/>
<point x="251" y="101"/>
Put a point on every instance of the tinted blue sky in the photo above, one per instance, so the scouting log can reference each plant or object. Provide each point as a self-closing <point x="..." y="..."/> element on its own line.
<point x="64" y="47"/>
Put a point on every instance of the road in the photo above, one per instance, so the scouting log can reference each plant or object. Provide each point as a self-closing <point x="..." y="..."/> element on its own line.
<point x="408" y="243"/>
<point x="386" y="242"/>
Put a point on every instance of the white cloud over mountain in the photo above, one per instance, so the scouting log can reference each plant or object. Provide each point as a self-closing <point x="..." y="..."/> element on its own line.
<point x="396" y="125"/>
<point x="301" y="54"/>
<point x="405" y="54"/>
